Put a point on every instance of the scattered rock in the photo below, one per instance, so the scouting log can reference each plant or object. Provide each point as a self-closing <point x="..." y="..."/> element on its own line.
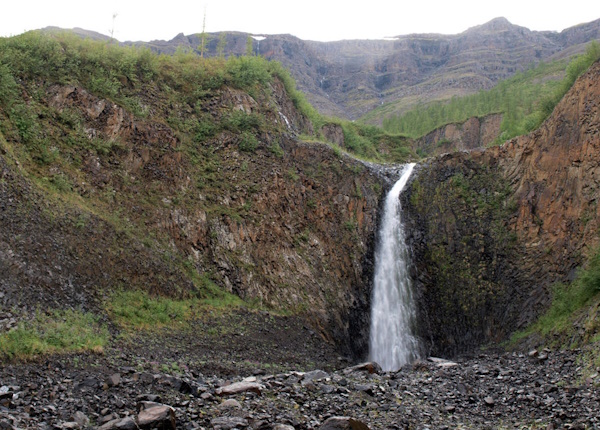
<point x="127" y="423"/>
<point x="113" y="380"/>
<point x="489" y="401"/>
<point x="369" y="367"/>
<point x="81" y="419"/>
<point x="314" y="375"/>
<point x="440" y="362"/>
<point x="230" y="404"/>
<point x="227" y="423"/>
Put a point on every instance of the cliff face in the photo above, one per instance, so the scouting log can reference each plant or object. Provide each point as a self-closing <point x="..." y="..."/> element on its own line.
<point x="471" y="134"/>
<point x="493" y="229"/>
<point x="281" y="223"/>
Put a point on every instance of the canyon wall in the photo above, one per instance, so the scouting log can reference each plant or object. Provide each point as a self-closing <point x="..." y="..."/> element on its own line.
<point x="492" y="230"/>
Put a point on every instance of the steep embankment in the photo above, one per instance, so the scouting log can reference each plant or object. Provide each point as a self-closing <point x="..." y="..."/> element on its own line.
<point x="493" y="229"/>
<point x="471" y="134"/>
<point x="173" y="184"/>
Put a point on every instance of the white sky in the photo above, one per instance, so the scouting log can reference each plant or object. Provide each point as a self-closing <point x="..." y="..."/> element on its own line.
<point x="323" y="20"/>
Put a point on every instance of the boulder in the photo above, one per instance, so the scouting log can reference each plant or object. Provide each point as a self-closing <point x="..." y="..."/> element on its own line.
<point x="156" y="416"/>
<point x="240" y="387"/>
<point x="343" y="423"/>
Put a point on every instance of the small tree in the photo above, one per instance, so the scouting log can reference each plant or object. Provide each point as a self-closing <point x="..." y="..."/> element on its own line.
<point x="222" y="44"/>
<point x="249" y="46"/>
<point x="203" y="34"/>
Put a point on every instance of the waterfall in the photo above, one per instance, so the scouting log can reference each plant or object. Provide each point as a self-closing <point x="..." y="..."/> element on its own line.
<point x="392" y="341"/>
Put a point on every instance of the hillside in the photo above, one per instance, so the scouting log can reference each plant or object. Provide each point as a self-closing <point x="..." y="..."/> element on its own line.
<point x="350" y="78"/>
<point x="177" y="176"/>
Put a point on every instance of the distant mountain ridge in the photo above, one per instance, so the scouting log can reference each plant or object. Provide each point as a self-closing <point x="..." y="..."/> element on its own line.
<point x="349" y="78"/>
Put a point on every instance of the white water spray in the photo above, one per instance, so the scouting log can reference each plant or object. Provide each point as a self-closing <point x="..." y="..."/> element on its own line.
<point x="392" y="340"/>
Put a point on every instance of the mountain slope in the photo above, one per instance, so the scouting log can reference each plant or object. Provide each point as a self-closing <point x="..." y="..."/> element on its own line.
<point x="350" y="78"/>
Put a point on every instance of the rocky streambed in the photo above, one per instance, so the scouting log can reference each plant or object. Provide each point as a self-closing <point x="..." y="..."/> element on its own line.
<point x="281" y="375"/>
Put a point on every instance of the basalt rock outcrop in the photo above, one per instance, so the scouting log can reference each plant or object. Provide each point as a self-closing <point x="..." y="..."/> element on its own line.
<point x="493" y="229"/>
<point x="281" y="223"/>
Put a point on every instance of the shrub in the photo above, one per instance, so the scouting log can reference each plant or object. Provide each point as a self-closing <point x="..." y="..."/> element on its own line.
<point x="248" y="142"/>
<point x="245" y="72"/>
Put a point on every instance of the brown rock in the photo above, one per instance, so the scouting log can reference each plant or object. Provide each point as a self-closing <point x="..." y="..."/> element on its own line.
<point x="343" y="423"/>
<point x="240" y="387"/>
<point x="369" y="367"/>
<point x="155" y="415"/>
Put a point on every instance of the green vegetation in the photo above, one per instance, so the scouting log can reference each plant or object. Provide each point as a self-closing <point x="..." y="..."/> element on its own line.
<point x="525" y="100"/>
<point x="568" y="301"/>
<point x="573" y="319"/>
<point x="54" y="332"/>
<point x="136" y="309"/>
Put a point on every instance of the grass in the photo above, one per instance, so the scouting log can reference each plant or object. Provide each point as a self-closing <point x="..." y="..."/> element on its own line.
<point x="138" y="310"/>
<point x="569" y="303"/>
<point x="54" y="332"/>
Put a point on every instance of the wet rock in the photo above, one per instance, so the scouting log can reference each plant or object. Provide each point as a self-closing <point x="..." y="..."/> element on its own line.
<point x="369" y="367"/>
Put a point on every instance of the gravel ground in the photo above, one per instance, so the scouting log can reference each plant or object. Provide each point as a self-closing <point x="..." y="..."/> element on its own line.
<point x="259" y="371"/>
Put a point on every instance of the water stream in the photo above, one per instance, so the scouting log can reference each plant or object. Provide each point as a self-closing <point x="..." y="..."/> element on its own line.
<point x="392" y="341"/>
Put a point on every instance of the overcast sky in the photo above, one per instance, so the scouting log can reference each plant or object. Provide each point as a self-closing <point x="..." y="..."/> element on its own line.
<point x="323" y="20"/>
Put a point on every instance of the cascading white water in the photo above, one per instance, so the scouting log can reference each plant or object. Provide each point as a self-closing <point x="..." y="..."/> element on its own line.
<point x="392" y="341"/>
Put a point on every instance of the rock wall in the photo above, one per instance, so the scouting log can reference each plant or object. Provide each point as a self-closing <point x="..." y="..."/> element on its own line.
<point x="281" y="223"/>
<point x="493" y="229"/>
<point x="474" y="133"/>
